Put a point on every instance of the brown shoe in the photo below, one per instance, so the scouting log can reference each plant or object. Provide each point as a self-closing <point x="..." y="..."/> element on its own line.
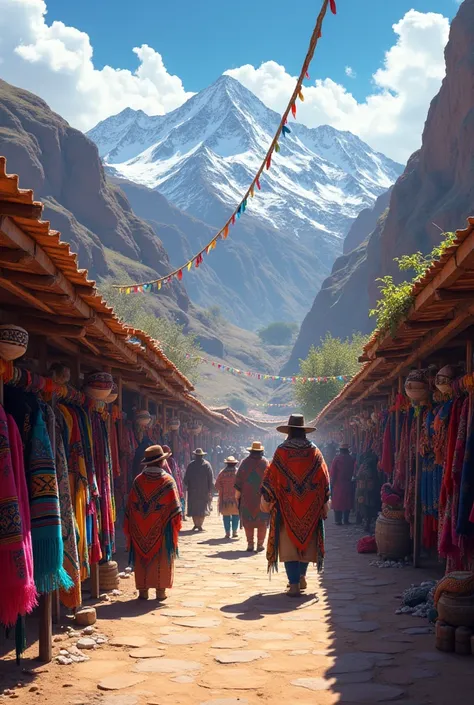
<point x="303" y="583"/>
<point x="143" y="594"/>
<point x="293" y="591"/>
<point x="161" y="594"/>
<point x="260" y="548"/>
<point x="250" y="548"/>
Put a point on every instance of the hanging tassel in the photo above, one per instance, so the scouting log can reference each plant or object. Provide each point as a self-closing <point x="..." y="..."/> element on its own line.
<point x="225" y="232"/>
<point x="190" y="264"/>
<point x="180" y="274"/>
<point x="244" y="205"/>
<point x="257" y="181"/>
<point x="332" y="3"/>
<point x="269" y="161"/>
<point x="159" y="285"/>
<point x="252" y="194"/>
<point x="285" y="130"/>
<point x="293" y="110"/>
<point x="233" y="219"/>
<point x="301" y="96"/>
<point x="277" y="147"/>
<point x="306" y="74"/>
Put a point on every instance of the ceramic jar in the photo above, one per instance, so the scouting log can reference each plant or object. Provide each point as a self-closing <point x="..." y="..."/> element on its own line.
<point x="13" y="341"/>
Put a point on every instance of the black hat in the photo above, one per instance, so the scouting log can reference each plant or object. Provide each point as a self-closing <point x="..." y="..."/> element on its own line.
<point x="296" y="421"/>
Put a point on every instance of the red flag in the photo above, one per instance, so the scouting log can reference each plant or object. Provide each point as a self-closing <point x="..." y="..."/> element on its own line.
<point x="258" y="184"/>
<point x="269" y="161"/>
<point x="180" y="274"/>
<point x="333" y="6"/>
<point x="293" y="110"/>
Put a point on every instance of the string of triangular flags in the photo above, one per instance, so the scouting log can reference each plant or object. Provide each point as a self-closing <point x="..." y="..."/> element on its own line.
<point x="222" y="367"/>
<point x="255" y="186"/>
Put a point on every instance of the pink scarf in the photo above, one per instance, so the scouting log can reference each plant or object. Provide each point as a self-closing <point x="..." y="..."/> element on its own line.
<point x="17" y="587"/>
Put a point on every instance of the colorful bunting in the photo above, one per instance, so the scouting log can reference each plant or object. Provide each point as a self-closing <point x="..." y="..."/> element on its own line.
<point x="197" y="259"/>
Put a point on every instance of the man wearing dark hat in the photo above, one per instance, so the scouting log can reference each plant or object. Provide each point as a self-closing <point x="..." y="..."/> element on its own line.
<point x="152" y="524"/>
<point x="199" y="481"/>
<point x="295" y="491"/>
<point x="248" y="482"/>
<point x="342" y="492"/>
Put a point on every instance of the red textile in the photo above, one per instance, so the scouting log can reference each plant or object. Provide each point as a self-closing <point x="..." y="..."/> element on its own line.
<point x="445" y="499"/>
<point x="367" y="544"/>
<point x="386" y="463"/>
<point x="342" y="492"/>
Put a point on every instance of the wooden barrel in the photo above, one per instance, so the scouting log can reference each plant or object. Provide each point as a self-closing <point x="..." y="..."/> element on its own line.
<point x="456" y="610"/>
<point x="393" y="538"/>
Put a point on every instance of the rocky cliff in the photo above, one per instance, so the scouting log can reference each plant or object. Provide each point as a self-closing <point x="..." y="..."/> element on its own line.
<point x="63" y="168"/>
<point x="436" y="191"/>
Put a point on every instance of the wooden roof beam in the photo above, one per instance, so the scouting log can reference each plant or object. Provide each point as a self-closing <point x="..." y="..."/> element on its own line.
<point x="454" y="296"/>
<point x="24" y="295"/>
<point x="9" y="256"/>
<point x="28" y="279"/>
<point x="31" y="211"/>
<point x="425" y="325"/>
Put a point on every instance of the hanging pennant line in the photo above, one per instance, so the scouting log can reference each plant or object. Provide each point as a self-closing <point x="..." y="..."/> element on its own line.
<point x="197" y="259"/>
<point x="222" y="367"/>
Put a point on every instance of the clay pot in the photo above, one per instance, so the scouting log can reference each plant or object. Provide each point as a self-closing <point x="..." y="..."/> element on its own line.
<point x="417" y="391"/>
<point x="143" y="418"/>
<point x="99" y="385"/>
<point x="113" y="394"/>
<point x="13" y="341"/>
<point x="456" y="610"/>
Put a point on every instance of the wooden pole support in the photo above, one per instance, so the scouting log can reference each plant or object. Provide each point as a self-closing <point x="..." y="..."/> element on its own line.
<point x="56" y="607"/>
<point x="417" y="519"/>
<point x="94" y="579"/>
<point x="45" y="628"/>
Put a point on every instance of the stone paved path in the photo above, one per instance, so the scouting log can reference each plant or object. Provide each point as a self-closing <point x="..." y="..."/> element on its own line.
<point x="228" y="636"/>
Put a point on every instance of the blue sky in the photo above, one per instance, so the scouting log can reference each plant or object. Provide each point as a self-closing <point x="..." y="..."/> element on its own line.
<point x="199" y="40"/>
<point x="375" y="71"/>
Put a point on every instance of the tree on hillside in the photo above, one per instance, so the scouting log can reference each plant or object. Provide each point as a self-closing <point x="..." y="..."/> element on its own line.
<point x="334" y="357"/>
<point x="278" y="333"/>
<point x="175" y="343"/>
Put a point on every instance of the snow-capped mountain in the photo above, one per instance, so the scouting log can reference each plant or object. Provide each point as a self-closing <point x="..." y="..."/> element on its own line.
<point x="204" y="155"/>
<point x="210" y="148"/>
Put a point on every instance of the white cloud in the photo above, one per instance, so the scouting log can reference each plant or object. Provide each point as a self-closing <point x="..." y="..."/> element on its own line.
<point x="56" y="62"/>
<point x="349" y="71"/>
<point x="391" y="118"/>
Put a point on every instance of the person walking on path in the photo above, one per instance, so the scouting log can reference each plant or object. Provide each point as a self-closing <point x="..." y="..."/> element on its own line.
<point x="199" y="482"/>
<point x="295" y="491"/>
<point x="227" y="503"/>
<point x="342" y="495"/>
<point x="248" y="482"/>
<point x="152" y="525"/>
<point x="177" y="475"/>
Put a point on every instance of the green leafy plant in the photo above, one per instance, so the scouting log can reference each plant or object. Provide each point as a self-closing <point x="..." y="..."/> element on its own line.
<point x="333" y="358"/>
<point x="278" y="333"/>
<point x="179" y="347"/>
<point x="396" y="299"/>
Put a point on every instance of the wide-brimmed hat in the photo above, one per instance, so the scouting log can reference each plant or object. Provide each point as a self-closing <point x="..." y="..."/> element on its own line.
<point x="199" y="451"/>
<point x="231" y="460"/>
<point x="154" y="455"/>
<point x="256" y="447"/>
<point x="296" y="421"/>
<point x="344" y="446"/>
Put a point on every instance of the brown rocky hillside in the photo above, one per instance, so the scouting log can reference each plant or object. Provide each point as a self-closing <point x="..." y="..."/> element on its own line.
<point x="436" y="191"/>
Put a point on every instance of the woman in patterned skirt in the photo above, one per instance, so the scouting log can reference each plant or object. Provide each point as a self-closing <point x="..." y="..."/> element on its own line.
<point x="227" y="503"/>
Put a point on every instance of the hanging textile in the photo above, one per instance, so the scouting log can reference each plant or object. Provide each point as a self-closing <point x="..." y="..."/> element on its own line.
<point x="48" y="550"/>
<point x="103" y="468"/>
<point x="17" y="587"/>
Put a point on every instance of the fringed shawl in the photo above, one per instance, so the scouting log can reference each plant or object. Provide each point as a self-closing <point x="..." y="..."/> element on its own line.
<point x="225" y="486"/>
<point x="48" y="550"/>
<point x="17" y="587"/>
<point x="296" y="485"/>
<point x="153" y="515"/>
<point x="248" y="481"/>
<point x="103" y="467"/>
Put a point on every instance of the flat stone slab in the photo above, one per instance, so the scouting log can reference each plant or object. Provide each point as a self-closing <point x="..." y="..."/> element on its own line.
<point x="233" y="679"/>
<point x="119" y="681"/>
<point x="345" y="596"/>
<point x="302" y="617"/>
<point x="286" y="645"/>
<point x="147" y="652"/>
<point x="360" y="627"/>
<point x="384" y="648"/>
<point x="184" y="639"/>
<point x="360" y="677"/>
<point x="177" y="613"/>
<point x="286" y="667"/>
<point x="193" y="603"/>
<point x="268" y="636"/>
<point x="229" y="644"/>
<point x="134" y="642"/>
<point x="198" y="622"/>
<point x="377" y="582"/>
<point x="183" y="679"/>
<point x="166" y="665"/>
<point x="407" y="676"/>
<point x="316" y="684"/>
<point x="241" y="656"/>
<point x="351" y="663"/>
<point x="120" y="700"/>
<point x="430" y="656"/>
<point x="418" y="631"/>
<point x="367" y="693"/>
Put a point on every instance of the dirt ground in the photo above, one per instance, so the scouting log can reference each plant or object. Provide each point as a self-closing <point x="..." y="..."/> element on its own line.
<point x="227" y="636"/>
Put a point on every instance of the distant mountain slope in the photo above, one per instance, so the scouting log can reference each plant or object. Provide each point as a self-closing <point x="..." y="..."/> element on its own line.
<point x="203" y="156"/>
<point x="436" y="191"/>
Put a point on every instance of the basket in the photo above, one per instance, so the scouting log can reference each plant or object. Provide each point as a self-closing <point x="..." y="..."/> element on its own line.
<point x="456" y="610"/>
<point x="392" y="537"/>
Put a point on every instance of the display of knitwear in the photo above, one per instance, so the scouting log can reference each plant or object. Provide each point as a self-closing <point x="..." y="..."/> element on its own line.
<point x="455" y="583"/>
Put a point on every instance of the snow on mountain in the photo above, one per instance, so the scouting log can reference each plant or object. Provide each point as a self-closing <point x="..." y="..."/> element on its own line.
<point x="203" y="156"/>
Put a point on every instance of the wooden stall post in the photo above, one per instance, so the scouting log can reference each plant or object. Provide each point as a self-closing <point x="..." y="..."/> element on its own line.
<point x="45" y="628"/>
<point x="469" y="371"/>
<point x="417" y="519"/>
<point x="398" y="417"/>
